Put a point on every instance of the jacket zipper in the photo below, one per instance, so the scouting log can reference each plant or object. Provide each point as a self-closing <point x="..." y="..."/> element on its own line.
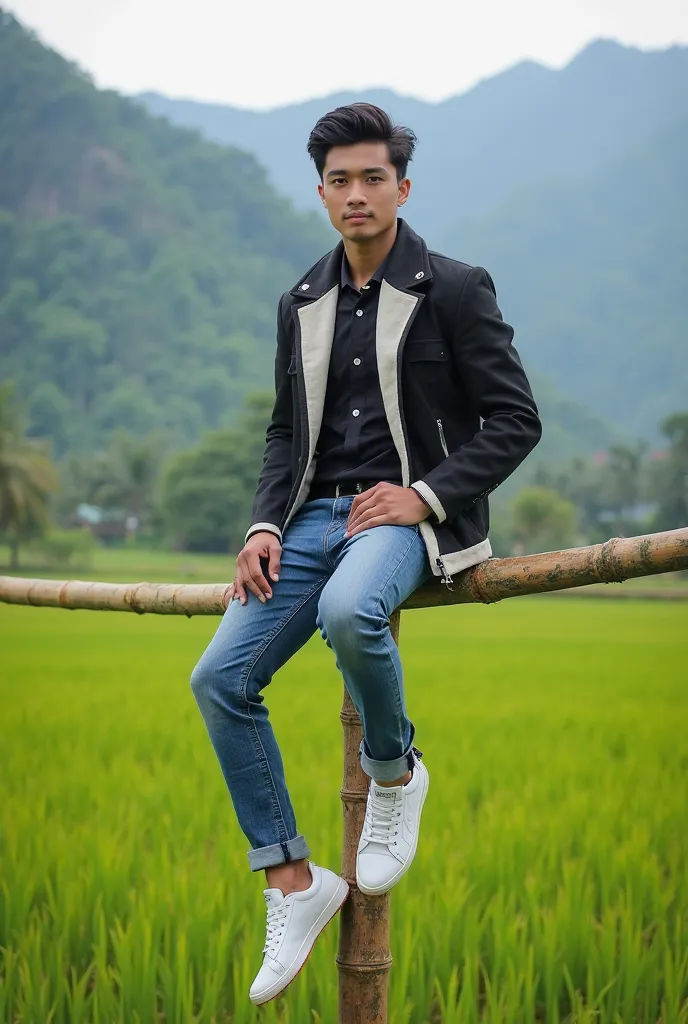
<point x="446" y="578"/>
<point x="442" y="440"/>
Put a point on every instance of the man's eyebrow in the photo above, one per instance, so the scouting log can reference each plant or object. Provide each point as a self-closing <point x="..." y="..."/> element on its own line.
<point x="366" y="170"/>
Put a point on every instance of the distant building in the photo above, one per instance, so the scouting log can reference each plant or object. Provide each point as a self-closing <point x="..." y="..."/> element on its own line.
<point x="107" y="524"/>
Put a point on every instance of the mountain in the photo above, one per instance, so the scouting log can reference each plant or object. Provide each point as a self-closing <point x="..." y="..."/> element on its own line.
<point x="594" y="272"/>
<point x="527" y="124"/>
<point x="140" y="266"/>
<point x="569" y="186"/>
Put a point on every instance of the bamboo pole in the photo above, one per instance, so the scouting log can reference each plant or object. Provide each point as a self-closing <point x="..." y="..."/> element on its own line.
<point x="364" y="959"/>
<point x="493" y="580"/>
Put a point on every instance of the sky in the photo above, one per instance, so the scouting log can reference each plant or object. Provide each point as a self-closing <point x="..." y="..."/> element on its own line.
<point x="267" y="53"/>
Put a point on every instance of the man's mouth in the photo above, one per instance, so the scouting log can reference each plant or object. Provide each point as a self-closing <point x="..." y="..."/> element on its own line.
<point x="357" y="216"/>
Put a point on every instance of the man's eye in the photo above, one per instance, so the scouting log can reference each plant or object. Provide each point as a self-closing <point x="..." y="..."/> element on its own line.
<point x="374" y="177"/>
<point x="336" y="181"/>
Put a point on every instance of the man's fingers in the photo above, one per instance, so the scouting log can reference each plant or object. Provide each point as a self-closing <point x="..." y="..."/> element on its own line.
<point x="373" y="506"/>
<point x="255" y="589"/>
<point x="361" y="498"/>
<point x="366" y="500"/>
<point x="274" y="561"/>
<point x="378" y="520"/>
<point x="255" y="578"/>
<point x="249" y="571"/>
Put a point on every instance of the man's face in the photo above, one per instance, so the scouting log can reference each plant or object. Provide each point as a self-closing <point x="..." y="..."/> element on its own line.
<point x="360" y="190"/>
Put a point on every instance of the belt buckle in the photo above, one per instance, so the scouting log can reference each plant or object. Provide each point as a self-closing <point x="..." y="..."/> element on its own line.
<point x="337" y="486"/>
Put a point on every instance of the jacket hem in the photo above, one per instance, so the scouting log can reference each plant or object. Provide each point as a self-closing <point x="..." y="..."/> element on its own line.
<point x="453" y="561"/>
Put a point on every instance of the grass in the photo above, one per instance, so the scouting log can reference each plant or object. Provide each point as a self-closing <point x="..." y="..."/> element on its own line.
<point x="130" y="565"/>
<point x="551" y="879"/>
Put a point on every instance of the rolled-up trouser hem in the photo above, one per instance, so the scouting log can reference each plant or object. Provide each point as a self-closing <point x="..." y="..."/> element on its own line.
<point x="386" y="771"/>
<point x="278" y="853"/>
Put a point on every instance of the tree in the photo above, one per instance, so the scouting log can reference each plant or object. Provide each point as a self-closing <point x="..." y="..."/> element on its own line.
<point x="27" y="479"/>
<point x="206" y="492"/>
<point x="580" y="482"/>
<point x="671" y="476"/>
<point x="623" y="486"/>
<point x="140" y="266"/>
<point x="542" y="520"/>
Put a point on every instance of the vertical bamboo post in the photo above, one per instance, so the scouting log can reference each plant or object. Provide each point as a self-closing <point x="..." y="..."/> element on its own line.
<point x="364" y="958"/>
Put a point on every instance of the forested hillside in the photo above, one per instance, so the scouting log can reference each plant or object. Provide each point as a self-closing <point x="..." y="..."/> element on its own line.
<point x="569" y="186"/>
<point x="139" y="265"/>
<point x="595" y="274"/>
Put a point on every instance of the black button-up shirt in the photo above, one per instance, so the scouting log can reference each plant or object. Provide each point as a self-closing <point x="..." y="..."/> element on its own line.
<point x="355" y="442"/>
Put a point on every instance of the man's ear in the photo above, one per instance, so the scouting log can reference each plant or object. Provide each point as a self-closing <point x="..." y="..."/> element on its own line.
<point x="321" y="193"/>
<point x="404" y="189"/>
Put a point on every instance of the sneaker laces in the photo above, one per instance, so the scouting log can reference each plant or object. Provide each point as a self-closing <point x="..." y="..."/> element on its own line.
<point x="381" y="816"/>
<point x="275" y="926"/>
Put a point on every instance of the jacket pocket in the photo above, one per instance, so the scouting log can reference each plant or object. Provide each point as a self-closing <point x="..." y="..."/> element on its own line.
<point x="292" y="365"/>
<point x="433" y="349"/>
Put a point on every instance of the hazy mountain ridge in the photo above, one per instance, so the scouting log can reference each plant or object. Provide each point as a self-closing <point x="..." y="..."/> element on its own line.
<point x="140" y="266"/>
<point x="567" y="185"/>
<point x="526" y="124"/>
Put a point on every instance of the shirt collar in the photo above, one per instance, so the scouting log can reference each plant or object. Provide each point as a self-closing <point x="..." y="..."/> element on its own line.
<point x="346" y="279"/>
<point x="408" y="268"/>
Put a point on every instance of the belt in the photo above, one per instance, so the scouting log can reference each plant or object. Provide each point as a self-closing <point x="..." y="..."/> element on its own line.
<point x="332" y="490"/>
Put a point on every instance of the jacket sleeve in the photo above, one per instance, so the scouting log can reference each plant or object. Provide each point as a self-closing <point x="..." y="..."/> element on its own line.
<point x="275" y="481"/>
<point x="496" y="383"/>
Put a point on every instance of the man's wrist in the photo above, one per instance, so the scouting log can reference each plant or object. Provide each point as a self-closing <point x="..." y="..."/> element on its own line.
<point x="432" y="517"/>
<point x="430" y="498"/>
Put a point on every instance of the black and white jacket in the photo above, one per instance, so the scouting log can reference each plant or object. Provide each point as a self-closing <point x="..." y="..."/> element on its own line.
<point x="459" y="406"/>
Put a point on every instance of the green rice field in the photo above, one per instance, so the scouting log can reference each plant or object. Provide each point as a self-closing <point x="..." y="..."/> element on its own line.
<point x="551" y="879"/>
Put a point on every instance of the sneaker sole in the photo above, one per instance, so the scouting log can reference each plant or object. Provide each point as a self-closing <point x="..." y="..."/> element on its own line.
<point x="342" y="890"/>
<point x="412" y="852"/>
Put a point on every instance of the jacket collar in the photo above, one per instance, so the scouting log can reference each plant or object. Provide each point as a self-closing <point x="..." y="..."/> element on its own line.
<point x="406" y="266"/>
<point x="346" y="279"/>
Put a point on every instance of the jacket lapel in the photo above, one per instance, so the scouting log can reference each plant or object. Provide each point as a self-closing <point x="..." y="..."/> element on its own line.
<point x="316" y="332"/>
<point x="407" y="269"/>
<point x="317" y="291"/>
<point x="395" y="313"/>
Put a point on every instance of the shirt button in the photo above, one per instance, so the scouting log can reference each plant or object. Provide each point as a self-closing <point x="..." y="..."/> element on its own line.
<point x="359" y="312"/>
<point x="357" y="361"/>
<point x="355" y="412"/>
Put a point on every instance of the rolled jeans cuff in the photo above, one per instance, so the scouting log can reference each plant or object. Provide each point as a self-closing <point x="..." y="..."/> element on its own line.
<point x="278" y="853"/>
<point x="387" y="771"/>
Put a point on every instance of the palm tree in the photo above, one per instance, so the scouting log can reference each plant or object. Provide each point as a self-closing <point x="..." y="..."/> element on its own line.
<point x="27" y="479"/>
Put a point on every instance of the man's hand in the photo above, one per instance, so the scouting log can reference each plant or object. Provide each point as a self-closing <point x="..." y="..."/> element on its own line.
<point x="385" y="504"/>
<point x="249" y="573"/>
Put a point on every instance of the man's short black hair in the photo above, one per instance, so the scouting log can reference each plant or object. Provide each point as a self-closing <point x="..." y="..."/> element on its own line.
<point x="361" y="122"/>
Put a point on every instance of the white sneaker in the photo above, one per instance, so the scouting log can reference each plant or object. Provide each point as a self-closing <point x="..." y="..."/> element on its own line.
<point x="389" y="836"/>
<point x="294" y="923"/>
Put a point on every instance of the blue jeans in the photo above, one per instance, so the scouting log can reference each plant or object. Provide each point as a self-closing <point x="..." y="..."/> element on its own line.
<point x="347" y="588"/>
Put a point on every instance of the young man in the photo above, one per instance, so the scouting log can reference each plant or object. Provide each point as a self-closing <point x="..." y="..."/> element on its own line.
<point x="400" y="404"/>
